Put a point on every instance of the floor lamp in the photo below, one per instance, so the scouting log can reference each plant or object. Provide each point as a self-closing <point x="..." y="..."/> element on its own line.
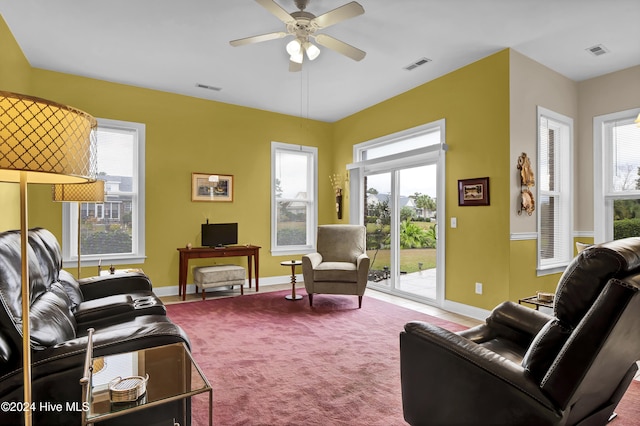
<point x="79" y="193"/>
<point x="41" y="142"/>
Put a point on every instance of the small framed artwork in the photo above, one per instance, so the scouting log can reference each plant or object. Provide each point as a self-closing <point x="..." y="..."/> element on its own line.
<point x="211" y="187"/>
<point x="473" y="192"/>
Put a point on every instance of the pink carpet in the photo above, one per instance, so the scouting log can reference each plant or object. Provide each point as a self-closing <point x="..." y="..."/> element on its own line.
<point x="628" y="409"/>
<point x="271" y="361"/>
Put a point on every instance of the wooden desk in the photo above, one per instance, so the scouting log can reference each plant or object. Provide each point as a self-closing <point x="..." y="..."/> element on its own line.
<point x="205" y="252"/>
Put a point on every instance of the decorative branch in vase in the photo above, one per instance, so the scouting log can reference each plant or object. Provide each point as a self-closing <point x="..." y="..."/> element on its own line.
<point x="337" y="182"/>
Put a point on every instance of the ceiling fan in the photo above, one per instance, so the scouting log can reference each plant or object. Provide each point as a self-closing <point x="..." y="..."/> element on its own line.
<point x="303" y="27"/>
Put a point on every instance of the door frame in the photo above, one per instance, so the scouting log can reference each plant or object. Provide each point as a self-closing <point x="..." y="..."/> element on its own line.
<point x="430" y="154"/>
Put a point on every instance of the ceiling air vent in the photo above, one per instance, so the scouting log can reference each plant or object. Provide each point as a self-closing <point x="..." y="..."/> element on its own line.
<point x="205" y="86"/>
<point x="417" y="63"/>
<point x="597" y="50"/>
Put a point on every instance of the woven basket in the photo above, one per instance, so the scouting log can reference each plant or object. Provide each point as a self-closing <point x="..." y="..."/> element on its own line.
<point x="127" y="389"/>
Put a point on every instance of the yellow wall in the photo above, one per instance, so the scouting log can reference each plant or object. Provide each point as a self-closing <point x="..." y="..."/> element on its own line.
<point x="186" y="135"/>
<point x="15" y="74"/>
<point x="474" y="101"/>
<point x="489" y="108"/>
<point x="531" y="85"/>
<point x="183" y="135"/>
<point x="14" y="68"/>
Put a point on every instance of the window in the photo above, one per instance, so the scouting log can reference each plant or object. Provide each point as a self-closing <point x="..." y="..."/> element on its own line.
<point x="555" y="202"/>
<point x="616" y="176"/>
<point x="112" y="210"/>
<point x="294" y="189"/>
<point x="113" y="231"/>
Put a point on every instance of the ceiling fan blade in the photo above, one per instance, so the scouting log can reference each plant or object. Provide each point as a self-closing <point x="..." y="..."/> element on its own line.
<point x="340" y="47"/>
<point x="294" y="66"/>
<point x="257" y="39"/>
<point x="347" y="11"/>
<point x="276" y="10"/>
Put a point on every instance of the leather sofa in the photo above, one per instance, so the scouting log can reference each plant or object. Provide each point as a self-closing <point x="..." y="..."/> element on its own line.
<point x="123" y="310"/>
<point x="525" y="367"/>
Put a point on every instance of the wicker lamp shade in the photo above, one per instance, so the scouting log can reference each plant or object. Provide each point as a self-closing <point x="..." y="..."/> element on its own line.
<point x="79" y="192"/>
<point x="53" y="143"/>
<point x="41" y="142"/>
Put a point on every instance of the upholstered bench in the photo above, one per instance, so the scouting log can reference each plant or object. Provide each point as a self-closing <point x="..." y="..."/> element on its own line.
<point x="217" y="276"/>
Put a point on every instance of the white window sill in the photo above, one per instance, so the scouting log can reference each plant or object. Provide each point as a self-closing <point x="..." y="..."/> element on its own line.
<point x="288" y="252"/>
<point x="105" y="261"/>
<point x="550" y="270"/>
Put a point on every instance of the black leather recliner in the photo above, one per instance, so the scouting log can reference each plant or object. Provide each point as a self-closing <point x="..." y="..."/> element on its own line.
<point x="123" y="309"/>
<point x="524" y="367"/>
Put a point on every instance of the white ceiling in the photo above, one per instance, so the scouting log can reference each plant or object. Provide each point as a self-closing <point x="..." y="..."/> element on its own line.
<point x="171" y="45"/>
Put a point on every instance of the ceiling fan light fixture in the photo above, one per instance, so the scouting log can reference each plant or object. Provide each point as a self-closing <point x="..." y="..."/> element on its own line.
<point x="297" y="57"/>
<point x="312" y="50"/>
<point x="302" y="26"/>
<point x="294" y="47"/>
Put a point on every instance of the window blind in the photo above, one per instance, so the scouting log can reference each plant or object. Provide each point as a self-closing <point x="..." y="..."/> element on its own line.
<point x="554" y="192"/>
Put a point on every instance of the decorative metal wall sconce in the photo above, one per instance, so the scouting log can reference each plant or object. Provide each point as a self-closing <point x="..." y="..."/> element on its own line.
<point x="527" y="180"/>
<point x="337" y="183"/>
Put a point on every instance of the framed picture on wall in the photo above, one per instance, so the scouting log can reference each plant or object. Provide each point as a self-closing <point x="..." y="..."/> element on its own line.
<point x="473" y="192"/>
<point x="211" y="187"/>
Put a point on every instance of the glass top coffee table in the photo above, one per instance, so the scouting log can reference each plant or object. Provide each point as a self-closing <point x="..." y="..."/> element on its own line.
<point x="533" y="300"/>
<point x="173" y="376"/>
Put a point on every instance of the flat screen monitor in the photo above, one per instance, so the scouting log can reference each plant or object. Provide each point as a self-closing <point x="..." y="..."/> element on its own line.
<point x="219" y="234"/>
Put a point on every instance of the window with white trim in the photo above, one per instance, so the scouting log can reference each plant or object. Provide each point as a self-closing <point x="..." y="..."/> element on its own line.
<point x="113" y="231"/>
<point x="616" y="175"/>
<point x="294" y="191"/>
<point x="555" y="201"/>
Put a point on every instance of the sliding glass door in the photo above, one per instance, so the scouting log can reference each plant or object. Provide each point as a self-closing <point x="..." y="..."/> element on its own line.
<point x="377" y="217"/>
<point x="399" y="183"/>
<point x="401" y="230"/>
<point x="417" y="231"/>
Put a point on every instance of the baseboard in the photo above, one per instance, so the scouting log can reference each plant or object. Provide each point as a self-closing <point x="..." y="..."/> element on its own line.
<point x="172" y="290"/>
<point x="466" y="310"/>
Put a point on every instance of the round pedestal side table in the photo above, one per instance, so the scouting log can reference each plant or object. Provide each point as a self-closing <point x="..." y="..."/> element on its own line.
<point x="293" y="264"/>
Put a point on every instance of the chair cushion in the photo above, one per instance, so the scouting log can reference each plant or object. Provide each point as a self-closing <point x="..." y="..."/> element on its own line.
<point x="218" y="274"/>
<point x="93" y="310"/>
<point x="341" y="243"/>
<point x="336" y="271"/>
<point x="544" y="348"/>
<point x="48" y="253"/>
<point x="11" y="278"/>
<point x="72" y="288"/>
<point x="51" y="320"/>
<point x="230" y="283"/>
<point x="588" y="273"/>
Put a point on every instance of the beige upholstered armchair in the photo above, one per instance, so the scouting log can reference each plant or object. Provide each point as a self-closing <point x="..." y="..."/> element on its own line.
<point x="340" y="265"/>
